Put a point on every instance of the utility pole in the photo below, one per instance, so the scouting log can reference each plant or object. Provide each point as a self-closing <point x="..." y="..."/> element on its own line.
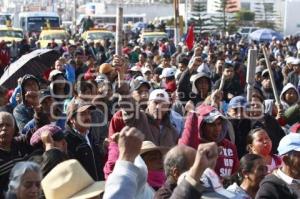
<point x="176" y="21"/>
<point x="74" y="16"/>
<point x="119" y="31"/>
<point x="186" y="15"/>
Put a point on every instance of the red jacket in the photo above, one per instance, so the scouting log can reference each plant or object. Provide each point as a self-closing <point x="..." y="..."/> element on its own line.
<point x="4" y="57"/>
<point x="227" y="162"/>
<point x="165" y="135"/>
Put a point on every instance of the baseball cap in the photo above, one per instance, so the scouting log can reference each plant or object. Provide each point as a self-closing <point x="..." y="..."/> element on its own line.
<point x="105" y="68"/>
<point x="145" y="70"/>
<point x="137" y="82"/>
<point x="159" y="94"/>
<point x="101" y="78"/>
<point x="237" y="102"/>
<point x="212" y="116"/>
<point x="265" y="73"/>
<point x="167" y="72"/>
<point x="55" y="132"/>
<point x="290" y="142"/>
<point x="170" y="86"/>
<point x="290" y="60"/>
<point x="228" y="64"/>
<point x="135" y="69"/>
<point x="54" y="73"/>
<point x="295" y="61"/>
<point x="259" y="69"/>
<point x="74" y="108"/>
<point x="66" y="55"/>
<point x="44" y="93"/>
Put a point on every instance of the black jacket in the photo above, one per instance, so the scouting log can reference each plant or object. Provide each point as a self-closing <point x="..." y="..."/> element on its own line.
<point x="232" y="86"/>
<point x="90" y="158"/>
<point x="273" y="187"/>
<point x="166" y="190"/>
<point x="293" y="78"/>
<point x="20" y="151"/>
<point x="241" y="129"/>
<point x="184" y="86"/>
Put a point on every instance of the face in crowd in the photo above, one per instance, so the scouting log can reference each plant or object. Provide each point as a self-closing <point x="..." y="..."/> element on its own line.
<point x="7" y="129"/>
<point x="212" y="130"/>
<point x="259" y="142"/>
<point x="158" y="108"/>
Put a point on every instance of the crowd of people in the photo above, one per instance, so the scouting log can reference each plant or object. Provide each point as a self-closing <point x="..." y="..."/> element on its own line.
<point x="159" y="121"/>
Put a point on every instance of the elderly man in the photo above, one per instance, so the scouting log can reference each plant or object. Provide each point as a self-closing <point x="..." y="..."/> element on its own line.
<point x="285" y="181"/>
<point x="128" y="178"/>
<point x="293" y="77"/>
<point x="12" y="149"/>
<point x="177" y="161"/>
<point x="154" y="123"/>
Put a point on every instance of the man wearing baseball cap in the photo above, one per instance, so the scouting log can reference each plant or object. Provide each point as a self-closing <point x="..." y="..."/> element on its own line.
<point x="293" y="77"/>
<point x="82" y="144"/>
<point x="285" y="181"/>
<point x="154" y="123"/>
<point x="140" y="91"/>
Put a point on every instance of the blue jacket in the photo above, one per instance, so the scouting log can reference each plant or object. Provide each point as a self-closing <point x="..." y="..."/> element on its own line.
<point x="23" y="114"/>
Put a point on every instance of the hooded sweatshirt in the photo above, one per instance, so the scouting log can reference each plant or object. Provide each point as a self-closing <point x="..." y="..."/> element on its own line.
<point x="285" y="88"/>
<point x="22" y="112"/>
<point x="227" y="162"/>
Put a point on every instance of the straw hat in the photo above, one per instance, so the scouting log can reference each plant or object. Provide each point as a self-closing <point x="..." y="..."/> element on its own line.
<point x="70" y="180"/>
<point x="148" y="146"/>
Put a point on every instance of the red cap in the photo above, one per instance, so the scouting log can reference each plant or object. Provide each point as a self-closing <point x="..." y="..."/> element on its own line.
<point x="171" y="86"/>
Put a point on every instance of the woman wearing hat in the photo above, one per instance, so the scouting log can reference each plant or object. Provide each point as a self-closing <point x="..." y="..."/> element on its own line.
<point x="153" y="157"/>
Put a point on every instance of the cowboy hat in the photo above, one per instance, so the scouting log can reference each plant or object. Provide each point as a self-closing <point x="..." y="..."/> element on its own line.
<point x="70" y="180"/>
<point x="148" y="146"/>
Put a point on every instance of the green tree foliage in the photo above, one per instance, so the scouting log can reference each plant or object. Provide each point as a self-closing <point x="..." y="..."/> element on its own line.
<point x="221" y="20"/>
<point x="199" y="17"/>
<point x="265" y="15"/>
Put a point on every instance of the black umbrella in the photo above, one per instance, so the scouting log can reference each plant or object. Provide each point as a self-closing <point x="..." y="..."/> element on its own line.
<point x="34" y="63"/>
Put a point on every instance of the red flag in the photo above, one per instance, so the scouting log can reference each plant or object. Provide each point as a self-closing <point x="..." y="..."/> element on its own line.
<point x="189" y="40"/>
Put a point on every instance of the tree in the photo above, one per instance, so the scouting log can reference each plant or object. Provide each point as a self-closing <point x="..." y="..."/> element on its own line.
<point x="265" y="15"/>
<point x="199" y="17"/>
<point x="244" y="17"/>
<point x="223" y="7"/>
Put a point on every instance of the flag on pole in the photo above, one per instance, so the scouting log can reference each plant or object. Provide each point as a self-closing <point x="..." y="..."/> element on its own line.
<point x="189" y="40"/>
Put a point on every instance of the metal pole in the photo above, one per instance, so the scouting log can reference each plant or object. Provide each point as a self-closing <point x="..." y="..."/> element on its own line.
<point x="186" y="16"/>
<point x="119" y="32"/>
<point x="176" y="14"/>
<point x="74" y="16"/>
